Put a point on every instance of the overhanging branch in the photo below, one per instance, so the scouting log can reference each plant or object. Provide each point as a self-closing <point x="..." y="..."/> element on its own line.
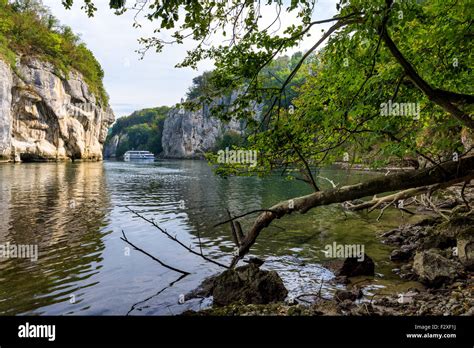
<point x="442" y="173"/>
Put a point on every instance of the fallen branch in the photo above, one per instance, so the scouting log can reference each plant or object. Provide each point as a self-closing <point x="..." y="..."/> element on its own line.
<point x="173" y="238"/>
<point x="376" y="202"/>
<point x="334" y="185"/>
<point x="443" y="174"/>
<point x="158" y="293"/>
<point x="124" y="238"/>
<point x="462" y="194"/>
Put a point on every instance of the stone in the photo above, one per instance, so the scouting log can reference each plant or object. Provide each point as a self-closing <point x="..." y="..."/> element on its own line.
<point x="352" y="295"/>
<point x="399" y="255"/>
<point x="342" y="280"/>
<point x="243" y="285"/>
<point x="248" y="285"/>
<point x="465" y="249"/>
<point x="352" y="267"/>
<point x="433" y="269"/>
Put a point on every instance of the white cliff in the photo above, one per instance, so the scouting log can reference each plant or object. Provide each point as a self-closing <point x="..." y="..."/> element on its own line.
<point x="44" y="116"/>
<point x="190" y="134"/>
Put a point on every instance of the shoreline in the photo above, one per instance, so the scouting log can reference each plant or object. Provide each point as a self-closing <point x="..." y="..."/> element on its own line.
<point x="426" y="255"/>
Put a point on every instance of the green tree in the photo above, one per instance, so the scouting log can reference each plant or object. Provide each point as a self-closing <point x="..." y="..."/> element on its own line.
<point x="28" y="29"/>
<point x="142" y="130"/>
<point x="376" y="52"/>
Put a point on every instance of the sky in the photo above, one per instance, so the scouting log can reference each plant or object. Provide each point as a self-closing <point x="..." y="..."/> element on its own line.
<point x="135" y="84"/>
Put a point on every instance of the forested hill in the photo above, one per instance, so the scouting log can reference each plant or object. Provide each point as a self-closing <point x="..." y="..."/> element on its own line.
<point x="53" y="105"/>
<point x="142" y="130"/>
<point x="28" y="29"/>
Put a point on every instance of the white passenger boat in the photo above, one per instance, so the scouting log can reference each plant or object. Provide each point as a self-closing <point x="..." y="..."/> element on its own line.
<point x="138" y="156"/>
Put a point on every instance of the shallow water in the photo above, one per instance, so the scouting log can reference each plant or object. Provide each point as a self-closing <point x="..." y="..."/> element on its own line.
<point x="76" y="212"/>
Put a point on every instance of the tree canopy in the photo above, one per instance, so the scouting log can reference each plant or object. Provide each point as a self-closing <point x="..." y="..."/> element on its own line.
<point x="27" y="28"/>
<point x="142" y="130"/>
<point x="388" y="78"/>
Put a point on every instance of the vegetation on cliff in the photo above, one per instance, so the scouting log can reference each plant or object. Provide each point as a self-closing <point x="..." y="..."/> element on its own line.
<point x="27" y="28"/>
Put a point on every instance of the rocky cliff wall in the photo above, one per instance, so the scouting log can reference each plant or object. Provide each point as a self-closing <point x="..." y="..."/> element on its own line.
<point x="190" y="134"/>
<point x="47" y="117"/>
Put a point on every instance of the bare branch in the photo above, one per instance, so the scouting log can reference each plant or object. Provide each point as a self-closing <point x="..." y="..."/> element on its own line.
<point x="173" y="238"/>
<point x="124" y="238"/>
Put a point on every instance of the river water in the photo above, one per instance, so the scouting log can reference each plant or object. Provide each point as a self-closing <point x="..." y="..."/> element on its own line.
<point x="75" y="213"/>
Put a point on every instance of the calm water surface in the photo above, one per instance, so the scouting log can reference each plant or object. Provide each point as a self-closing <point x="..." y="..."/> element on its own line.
<point x="76" y="212"/>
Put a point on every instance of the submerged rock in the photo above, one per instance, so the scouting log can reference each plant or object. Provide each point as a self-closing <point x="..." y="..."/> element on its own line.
<point x="352" y="267"/>
<point x="434" y="269"/>
<point x="245" y="285"/>
<point x="351" y="295"/>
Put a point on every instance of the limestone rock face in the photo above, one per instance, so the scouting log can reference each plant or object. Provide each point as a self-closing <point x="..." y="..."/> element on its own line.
<point x="6" y="83"/>
<point x="189" y="134"/>
<point x="44" y="116"/>
<point x="110" y="147"/>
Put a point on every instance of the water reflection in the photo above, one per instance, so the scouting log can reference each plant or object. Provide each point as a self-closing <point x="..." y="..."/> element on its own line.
<point x="76" y="214"/>
<point x="62" y="209"/>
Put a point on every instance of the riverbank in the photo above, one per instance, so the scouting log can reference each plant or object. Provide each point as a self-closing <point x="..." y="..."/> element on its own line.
<point x="435" y="256"/>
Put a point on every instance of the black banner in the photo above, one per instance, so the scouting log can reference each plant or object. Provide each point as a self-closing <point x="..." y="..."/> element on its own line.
<point x="223" y="331"/>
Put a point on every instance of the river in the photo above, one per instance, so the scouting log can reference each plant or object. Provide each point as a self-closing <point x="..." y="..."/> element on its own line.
<point x="75" y="213"/>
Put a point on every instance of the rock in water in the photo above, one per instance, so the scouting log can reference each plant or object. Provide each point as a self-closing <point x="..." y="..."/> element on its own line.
<point x="343" y="295"/>
<point x="434" y="269"/>
<point x="352" y="267"/>
<point x="246" y="285"/>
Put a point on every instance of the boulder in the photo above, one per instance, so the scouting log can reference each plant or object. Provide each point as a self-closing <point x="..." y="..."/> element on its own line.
<point x="403" y="254"/>
<point x="434" y="269"/>
<point x="352" y="267"/>
<point x="465" y="249"/>
<point x="244" y="285"/>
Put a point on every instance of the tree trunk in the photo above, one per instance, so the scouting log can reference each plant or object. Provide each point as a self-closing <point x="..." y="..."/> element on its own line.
<point x="448" y="171"/>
